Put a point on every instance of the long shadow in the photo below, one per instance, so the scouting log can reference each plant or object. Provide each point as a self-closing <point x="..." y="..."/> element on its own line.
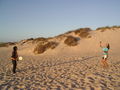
<point x="43" y="66"/>
<point x="73" y="61"/>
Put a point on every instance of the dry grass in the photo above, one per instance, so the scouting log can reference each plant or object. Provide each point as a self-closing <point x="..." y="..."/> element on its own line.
<point x="83" y="32"/>
<point x="3" y="44"/>
<point x="51" y="45"/>
<point x="102" y="29"/>
<point x="26" y="40"/>
<point x="40" y="39"/>
<point x="60" y="37"/>
<point x="68" y="32"/>
<point x="11" y="43"/>
<point x="89" y="36"/>
<point x="30" y="39"/>
<point x="43" y="46"/>
<point x="7" y="44"/>
<point x="49" y="38"/>
<point x="71" y="41"/>
<point x="115" y="26"/>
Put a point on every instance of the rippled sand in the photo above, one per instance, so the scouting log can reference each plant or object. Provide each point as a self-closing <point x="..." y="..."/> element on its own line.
<point x="61" y="73"/>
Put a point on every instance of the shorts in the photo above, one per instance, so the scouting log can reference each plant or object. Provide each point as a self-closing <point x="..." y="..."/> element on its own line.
<point x="105" y="56"/>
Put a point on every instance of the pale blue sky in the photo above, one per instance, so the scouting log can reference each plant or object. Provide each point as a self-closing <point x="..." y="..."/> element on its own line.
<point x="21" y="19"/>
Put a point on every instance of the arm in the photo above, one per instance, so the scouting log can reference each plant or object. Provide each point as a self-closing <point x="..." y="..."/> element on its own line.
<point x="100" y="44"/>
<point x="108" y="46"/>
<point x="14" y="56"/>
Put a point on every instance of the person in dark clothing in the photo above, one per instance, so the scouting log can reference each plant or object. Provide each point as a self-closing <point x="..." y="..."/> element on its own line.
<point x="14" y="58"/>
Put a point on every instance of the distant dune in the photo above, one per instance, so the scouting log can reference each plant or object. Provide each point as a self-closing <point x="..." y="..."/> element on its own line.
<point x="83" y="40"/>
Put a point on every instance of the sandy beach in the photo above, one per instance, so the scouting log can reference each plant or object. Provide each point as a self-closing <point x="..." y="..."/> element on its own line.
<point x="65" y="67"/>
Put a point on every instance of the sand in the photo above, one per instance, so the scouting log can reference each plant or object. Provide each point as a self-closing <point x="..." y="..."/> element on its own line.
<point x="71" y="68"/>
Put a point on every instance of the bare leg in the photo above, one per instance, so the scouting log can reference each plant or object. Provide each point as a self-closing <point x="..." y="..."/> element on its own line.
<point x="106" y="64"/>
<point x="102" y="63"/>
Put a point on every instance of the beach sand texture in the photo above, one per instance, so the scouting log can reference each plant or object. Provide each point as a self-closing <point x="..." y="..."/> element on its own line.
<point x="65" y="67"/>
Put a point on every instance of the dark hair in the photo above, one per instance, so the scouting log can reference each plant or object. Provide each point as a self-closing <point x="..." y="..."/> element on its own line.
<point x="15" y="48"/>
<point x="108" y="46"/>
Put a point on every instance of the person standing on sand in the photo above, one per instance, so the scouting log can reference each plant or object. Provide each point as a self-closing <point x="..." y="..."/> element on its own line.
<point x="105" y="54"/>
<point x="14" y="58"/>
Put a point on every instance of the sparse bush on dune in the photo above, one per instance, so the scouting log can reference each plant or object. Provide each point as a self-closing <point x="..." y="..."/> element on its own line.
<point x="11" y="43"/>
<point x="39" y="49"/>
<point x="115" y="26"/>
<point x="30" y="39"/>
<point x="40" y="39"/>
<point x="51" y="45"/>
<point x="60" y="37"/>
<point x="43" y="46"/>
<point x="68" y="32"/>
<point x="102" y="29"/>
<point x="22" y="42"/>
<point x="7" y="44"/>
<point x="49" y="38"/>
<point x="71" y="41"/>
<point x="26" y="40"/>
<point x="3" y="44"/>
<point x="83" y="32"/>
<point x="89" y="36"/>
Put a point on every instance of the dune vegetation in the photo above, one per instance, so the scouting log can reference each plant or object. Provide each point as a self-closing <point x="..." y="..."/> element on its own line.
<point x="43" y="46"/>
<point x="71" y="41"/>
<point x="102" y="29"/>
<point x="83" y="32"/>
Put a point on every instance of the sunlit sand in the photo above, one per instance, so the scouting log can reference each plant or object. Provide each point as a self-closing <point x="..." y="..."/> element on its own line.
<point x="64" y="67"/>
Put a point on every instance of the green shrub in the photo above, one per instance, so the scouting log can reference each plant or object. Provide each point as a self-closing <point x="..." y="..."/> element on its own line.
<point x="71" y="41"/>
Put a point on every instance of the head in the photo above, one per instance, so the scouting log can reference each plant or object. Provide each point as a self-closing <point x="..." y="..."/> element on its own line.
<point x="15" y="48"/>
<point x="108" y="46"/>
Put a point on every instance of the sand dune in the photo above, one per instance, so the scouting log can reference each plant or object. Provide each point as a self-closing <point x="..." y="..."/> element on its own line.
<point x="65" y="67"/>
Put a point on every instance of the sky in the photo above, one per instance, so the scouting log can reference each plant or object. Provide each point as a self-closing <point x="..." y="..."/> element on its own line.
<point x="22" y="19"/>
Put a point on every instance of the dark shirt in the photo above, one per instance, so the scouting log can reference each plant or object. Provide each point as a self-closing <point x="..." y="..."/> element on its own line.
<point x="14" y="55"/>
